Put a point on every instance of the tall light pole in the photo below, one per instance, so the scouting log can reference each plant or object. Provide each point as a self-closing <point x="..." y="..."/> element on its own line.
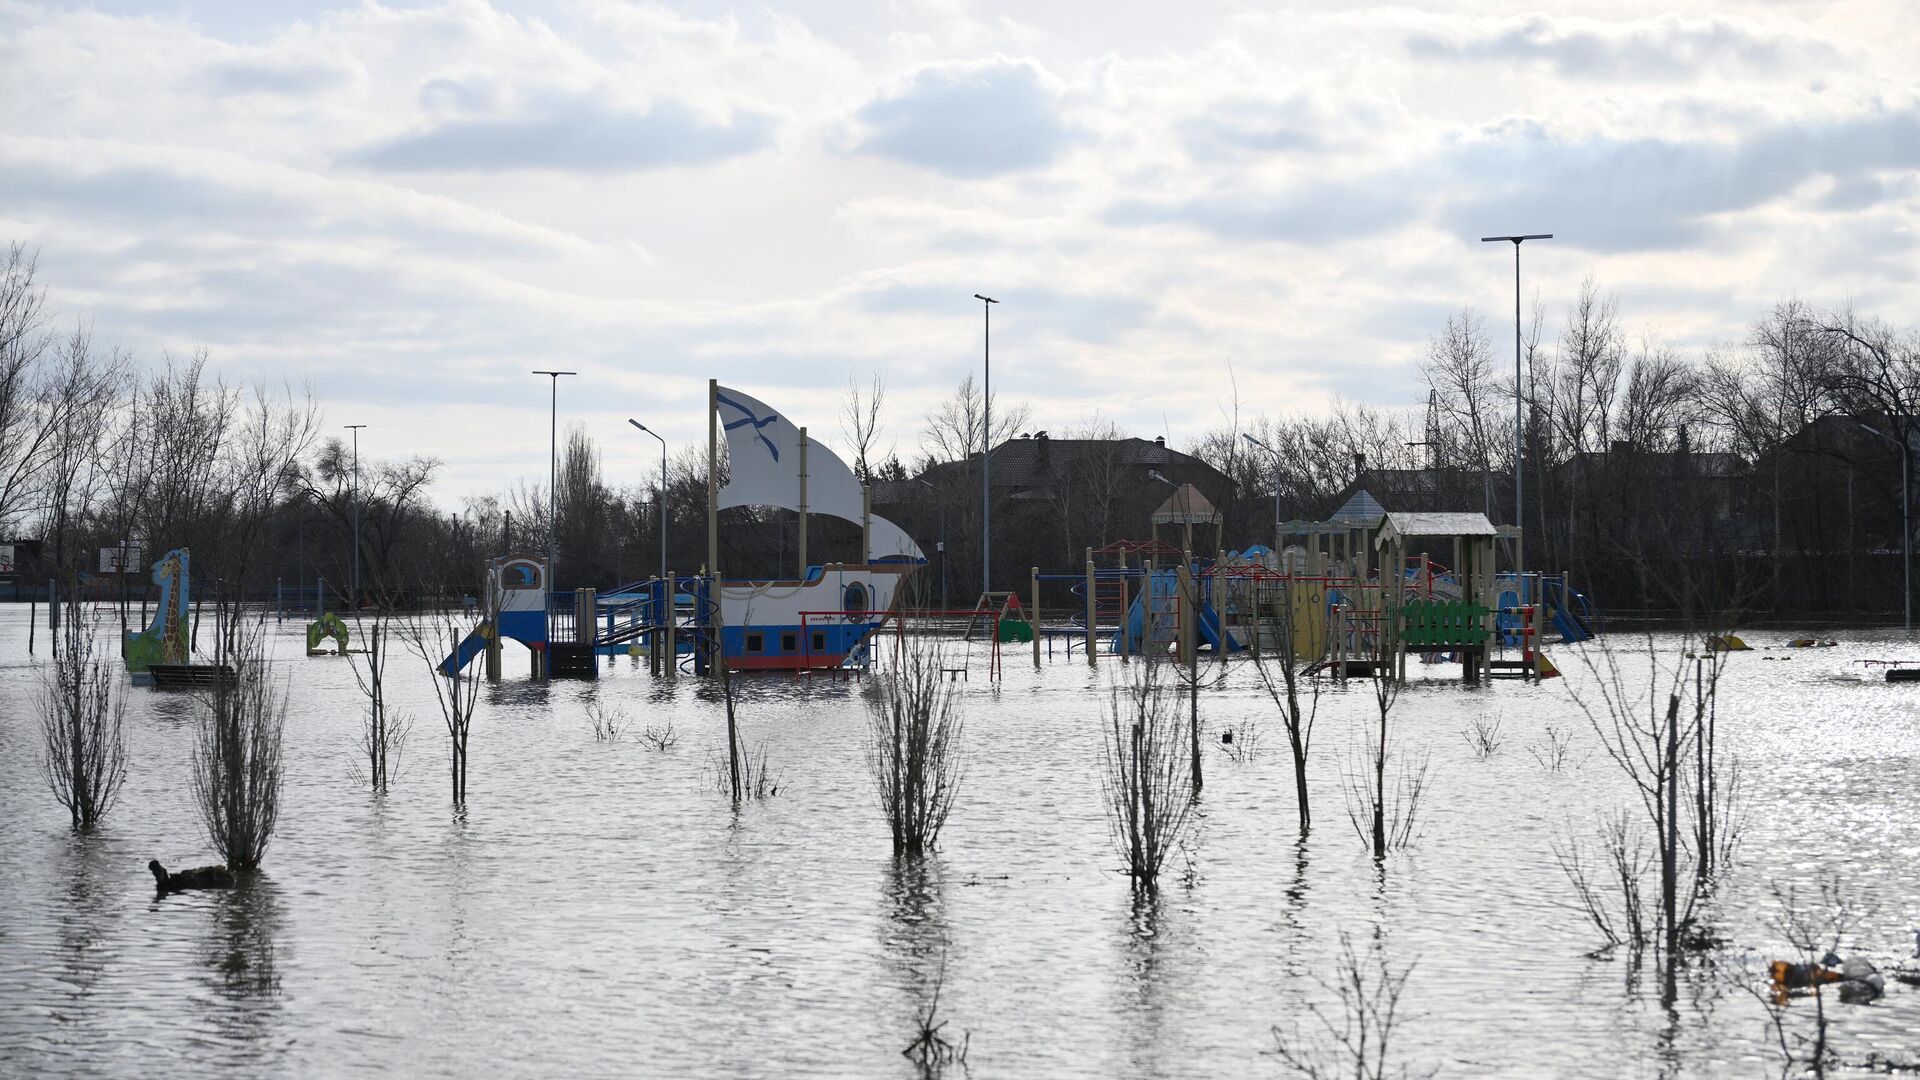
<point x="553" y="471"/>
<point x="660" y="501"/>
<point x="355" y="600"/>
<point x="1276" y="489"/>
<point x="1518" y="423"/>
<point x="986" y="443"/>
<point x="1906" y="521"/>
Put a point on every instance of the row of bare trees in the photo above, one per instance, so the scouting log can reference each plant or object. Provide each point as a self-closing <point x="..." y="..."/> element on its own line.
<point x="1775" y="460"/>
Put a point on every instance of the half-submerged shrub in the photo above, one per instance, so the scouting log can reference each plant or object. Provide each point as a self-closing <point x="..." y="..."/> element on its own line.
<point x="915" y="752"/>
<point x="1145" y="771"/>
<point x="236" y="753"/>
<point x="83" y="723"/>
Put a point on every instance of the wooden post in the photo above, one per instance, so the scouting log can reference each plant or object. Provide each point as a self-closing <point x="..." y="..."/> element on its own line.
<point x="866" y="524"/>
<point x="584" y="611"/>
<point x="670" y="658"/>
<point x="1092" y="611"/>
<point x="1340" y="641"/>
<point x="710" y="616"/>
<point x="1539" y="630"/>
<point x="1186" y="610"/>
<point x="1033" y="617"/>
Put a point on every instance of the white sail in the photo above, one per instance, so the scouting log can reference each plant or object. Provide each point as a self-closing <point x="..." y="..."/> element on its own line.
<point x="763" y="456"/>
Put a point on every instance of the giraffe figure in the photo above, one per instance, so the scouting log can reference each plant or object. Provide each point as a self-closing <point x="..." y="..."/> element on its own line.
<point x="165" y="640"/>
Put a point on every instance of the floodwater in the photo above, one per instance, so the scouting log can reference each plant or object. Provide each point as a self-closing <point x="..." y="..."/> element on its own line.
<point x="600" y="909"/>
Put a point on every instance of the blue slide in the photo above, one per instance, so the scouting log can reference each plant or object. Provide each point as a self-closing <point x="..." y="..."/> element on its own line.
<point x="470" y="647"/>
<point x="1163" y="588"/>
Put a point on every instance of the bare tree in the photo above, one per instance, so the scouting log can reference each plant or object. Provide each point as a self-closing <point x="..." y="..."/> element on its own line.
<point x="915" y="724"/>
<point x="1592" y="353"/>
<point x="860" y="421"/>
<point x="236" y="754"/>
<point x="383" y="735"/>
<point x="76" y="397"/>
<point x="1145" y="771"/>
<point x="83" y="721"/>
<point x="1459" y="370"/>
<point x="1385" y="819"/>
<point x="1648" y="732"/>
<point x="433" y="636"/>
<point x="25" y="426"/>
<point x="1286" y="698"/>
<point x="953" y="430"/>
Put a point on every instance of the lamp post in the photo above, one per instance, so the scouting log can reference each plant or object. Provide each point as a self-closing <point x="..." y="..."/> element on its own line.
<point x="660" y="501"/>
<point x="1906" y="522"/>
<point x="1518" y="424"/>
<point x="553" y="471"/>
<point x="986" y="442"/>
<point x="355" y="598"/>
<point x="1276" y="489"/>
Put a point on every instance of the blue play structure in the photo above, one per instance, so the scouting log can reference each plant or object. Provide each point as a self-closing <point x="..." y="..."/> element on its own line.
<point x="1153" y="617"/>
<point x="516" y="609"/>
<point x="1567" y="611"/>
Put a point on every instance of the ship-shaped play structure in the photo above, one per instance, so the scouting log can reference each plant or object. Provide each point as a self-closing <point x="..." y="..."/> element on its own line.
<point x="824" y="617"/>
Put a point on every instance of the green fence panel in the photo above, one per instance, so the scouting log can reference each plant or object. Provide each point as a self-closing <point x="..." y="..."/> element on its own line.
<point x="1427" y="624"/>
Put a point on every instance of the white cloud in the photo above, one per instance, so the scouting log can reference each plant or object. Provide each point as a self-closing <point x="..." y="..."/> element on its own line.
<point x="413" y="205"/>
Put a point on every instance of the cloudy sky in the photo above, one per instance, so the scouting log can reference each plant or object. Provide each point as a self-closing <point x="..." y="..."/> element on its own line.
<point x="409" y="206"/>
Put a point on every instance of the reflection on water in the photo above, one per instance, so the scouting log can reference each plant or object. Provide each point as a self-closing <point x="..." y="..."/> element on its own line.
<point x="913" y="939"/>
<point x="597" y="908"/>
<point x="239" y="947"/>
<point x="88" y="914"/>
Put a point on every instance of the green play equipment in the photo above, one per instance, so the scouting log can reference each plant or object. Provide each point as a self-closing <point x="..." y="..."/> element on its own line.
<point x="1014" y="628"/>
<point x="327" y="626"/>
<point x="1440" y="624"/>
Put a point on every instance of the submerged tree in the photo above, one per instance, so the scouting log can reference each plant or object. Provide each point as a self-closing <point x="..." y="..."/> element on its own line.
<point x="82" y="722"/>
<point x="1385" y="819"/>
<point x="433" y="637"/>
<point x="1285" y="693"/>
<point x="1649" y="731"/>
<point x="915" y="753"/>
<point x="1146" y="770"/>
<point x="236" y="752"/>
<point x="383" y="734"/>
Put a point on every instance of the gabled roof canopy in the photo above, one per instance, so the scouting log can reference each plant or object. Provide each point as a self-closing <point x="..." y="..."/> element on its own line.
<point x="1186" y="506"/>
<point x="1435" y="524"/>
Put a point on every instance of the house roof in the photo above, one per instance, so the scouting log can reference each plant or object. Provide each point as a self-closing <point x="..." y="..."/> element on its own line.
<point x="1020" y="462"/>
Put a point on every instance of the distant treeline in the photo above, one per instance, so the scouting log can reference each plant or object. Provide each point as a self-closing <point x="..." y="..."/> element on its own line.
<point x="1765" y="472"/>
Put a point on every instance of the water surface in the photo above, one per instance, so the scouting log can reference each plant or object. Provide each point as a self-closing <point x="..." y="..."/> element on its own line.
<point x="600" y="909"/>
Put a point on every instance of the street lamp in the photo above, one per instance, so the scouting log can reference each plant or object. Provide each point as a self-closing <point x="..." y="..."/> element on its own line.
<point x="1517" y="422"/>
<point x="1276" y="488"/>
<point x="660" y="502"/>
<point x="355" y="428"/>
<point x="986" y="443"/>
<point x="1186" y="526"/>
<point x="1906" y="522"/>
<point x="553" y="470"/>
